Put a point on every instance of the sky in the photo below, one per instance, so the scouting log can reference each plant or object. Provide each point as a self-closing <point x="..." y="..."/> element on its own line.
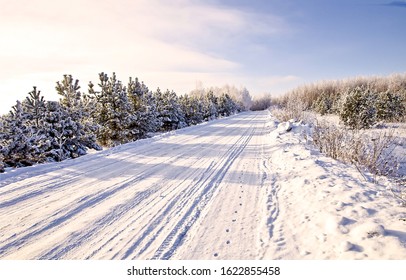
<point x="267" y="46"/>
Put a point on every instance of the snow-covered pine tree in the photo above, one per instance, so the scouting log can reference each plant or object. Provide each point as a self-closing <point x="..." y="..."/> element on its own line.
<point x="75" y="109"/>
<point x="390" y="106"/>
<point x="143" y="118"/>
<point x="170" y="111"/>
<point x="358" y="108"/>
<point x="210" y="106"/>
<point x="226" y="105"/>
<point x="34" y="105"/>
<point x="186" y="107"/>
<point x="323" y="104"/>
<point x="65" y="136"/>
<point x="112" y="111"/>
<point x="19" y="143"/>
<point x="192" y="106"/>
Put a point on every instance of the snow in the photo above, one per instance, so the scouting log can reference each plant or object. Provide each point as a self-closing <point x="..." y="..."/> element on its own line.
<point x="242" y="187"/>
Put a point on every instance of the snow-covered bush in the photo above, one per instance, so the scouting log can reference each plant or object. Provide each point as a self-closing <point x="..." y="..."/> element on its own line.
<point x="399" y="191"/>
<point x="330" y="140"/>
<point x="293" y="109"/>
<point x="371" y="153"/>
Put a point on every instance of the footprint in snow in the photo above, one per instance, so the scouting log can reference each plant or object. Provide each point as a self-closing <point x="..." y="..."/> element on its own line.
<point x="215" y="254"/>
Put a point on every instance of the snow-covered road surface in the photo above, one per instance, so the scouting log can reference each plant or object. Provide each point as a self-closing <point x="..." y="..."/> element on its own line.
<point x="197" y="192"/>
<point x="235" y="188"/>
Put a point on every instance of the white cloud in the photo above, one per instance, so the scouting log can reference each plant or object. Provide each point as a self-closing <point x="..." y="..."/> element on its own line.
<point x="169" y="43"/>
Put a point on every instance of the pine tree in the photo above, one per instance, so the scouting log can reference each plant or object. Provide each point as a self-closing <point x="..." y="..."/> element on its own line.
<point x="390" y="106"/>
<point x="170" y="112"/>
<point x="19" y="143"/>
<point x="358" y="108"/>
<point x="34" y="105"/>
<point x="112" y="111"/>
<point x="210" y="106"/>
<point x="192" y="106"/>
<point x="75" y="109"/>
<point x="226" y="105"/>
<point x="144" y="117"/>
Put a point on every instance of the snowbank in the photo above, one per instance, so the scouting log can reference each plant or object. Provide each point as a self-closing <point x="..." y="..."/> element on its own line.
<point x="326" y="209"/>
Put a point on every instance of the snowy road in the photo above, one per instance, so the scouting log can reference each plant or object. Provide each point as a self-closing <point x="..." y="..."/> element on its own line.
<point x="199" y="193"/>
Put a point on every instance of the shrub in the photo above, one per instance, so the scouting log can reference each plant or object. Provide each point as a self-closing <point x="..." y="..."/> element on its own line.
<point x="373" y="153"/>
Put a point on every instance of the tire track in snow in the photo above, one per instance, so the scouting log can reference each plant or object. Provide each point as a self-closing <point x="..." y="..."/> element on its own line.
<point x="89" y="201"/>
<point x="182" y="210"/>
<point x="174" y="239"/>
<point x="182" y="200"/>
<point x="79" y="238"/>
<point x="115" y="214"/>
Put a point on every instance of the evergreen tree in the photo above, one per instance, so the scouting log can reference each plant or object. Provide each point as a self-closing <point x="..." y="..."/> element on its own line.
<point x="323" y="104"/>
<point x="210" y="106"/>
<point x="34" y="106"/>
<point x="75" y="108"/>
<point x="226" y="105"/>
<point x="192" y="106"/>
<point x="170" y="112"/>
<point x="358" y="108"/>
<point x="112" y="111"/>
<point x="390" y="107"/>
<point x="144" y="117"/>
<point x="65" y="136"/>
<point x="21" y="140"/>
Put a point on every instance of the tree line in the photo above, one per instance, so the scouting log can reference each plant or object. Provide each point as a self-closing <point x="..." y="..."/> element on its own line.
<point x="109" y="114"/>
<point x="360" y="102"/>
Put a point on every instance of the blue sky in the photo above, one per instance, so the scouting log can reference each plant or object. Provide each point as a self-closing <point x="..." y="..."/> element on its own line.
<point x="267" y="46"/>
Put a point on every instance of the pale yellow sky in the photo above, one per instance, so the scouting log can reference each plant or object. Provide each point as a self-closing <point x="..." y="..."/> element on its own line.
<point x="170" y="44"/>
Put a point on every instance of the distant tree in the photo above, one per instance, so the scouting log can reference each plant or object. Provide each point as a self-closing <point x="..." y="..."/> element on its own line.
<point x="261" y="103"/>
